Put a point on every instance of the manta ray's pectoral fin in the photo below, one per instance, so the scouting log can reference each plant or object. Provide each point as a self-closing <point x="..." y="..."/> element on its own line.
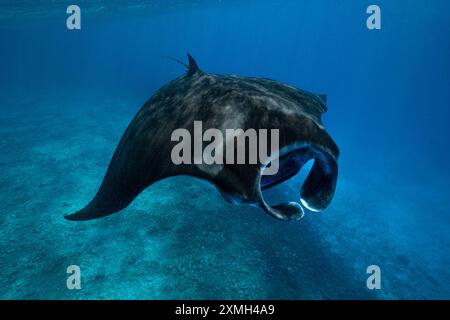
<point x="108" y="200"/>
<point x="122" y="183"/>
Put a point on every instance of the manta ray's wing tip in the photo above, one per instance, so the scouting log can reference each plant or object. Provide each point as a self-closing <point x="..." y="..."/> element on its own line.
<point x="71" y="217"/>
<point x="82" y="215"/>
<point x="76" y="217"/>
<point x="95" y="210"/>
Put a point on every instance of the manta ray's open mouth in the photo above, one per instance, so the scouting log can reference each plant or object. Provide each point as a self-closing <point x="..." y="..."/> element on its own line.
<point x="317" y="190"/>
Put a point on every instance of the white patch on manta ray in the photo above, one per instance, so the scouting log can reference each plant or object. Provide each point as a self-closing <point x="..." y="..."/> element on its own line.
<point x="306" y="205"/>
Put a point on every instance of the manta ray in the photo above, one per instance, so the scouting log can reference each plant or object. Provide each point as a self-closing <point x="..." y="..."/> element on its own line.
<point x="143" y="155"/>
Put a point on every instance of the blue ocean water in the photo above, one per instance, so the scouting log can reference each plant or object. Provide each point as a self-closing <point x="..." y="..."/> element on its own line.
<point x="66" y="97"/>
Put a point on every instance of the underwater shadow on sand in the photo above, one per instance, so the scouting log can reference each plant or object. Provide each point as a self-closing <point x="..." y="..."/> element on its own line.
<point x="220" y="251"/>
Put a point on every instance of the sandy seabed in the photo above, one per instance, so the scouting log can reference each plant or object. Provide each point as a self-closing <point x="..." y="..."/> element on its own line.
<point x="180" y="239"/>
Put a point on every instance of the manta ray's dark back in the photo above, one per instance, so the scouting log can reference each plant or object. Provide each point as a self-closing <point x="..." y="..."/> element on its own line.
<point x="143" y="155"/>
